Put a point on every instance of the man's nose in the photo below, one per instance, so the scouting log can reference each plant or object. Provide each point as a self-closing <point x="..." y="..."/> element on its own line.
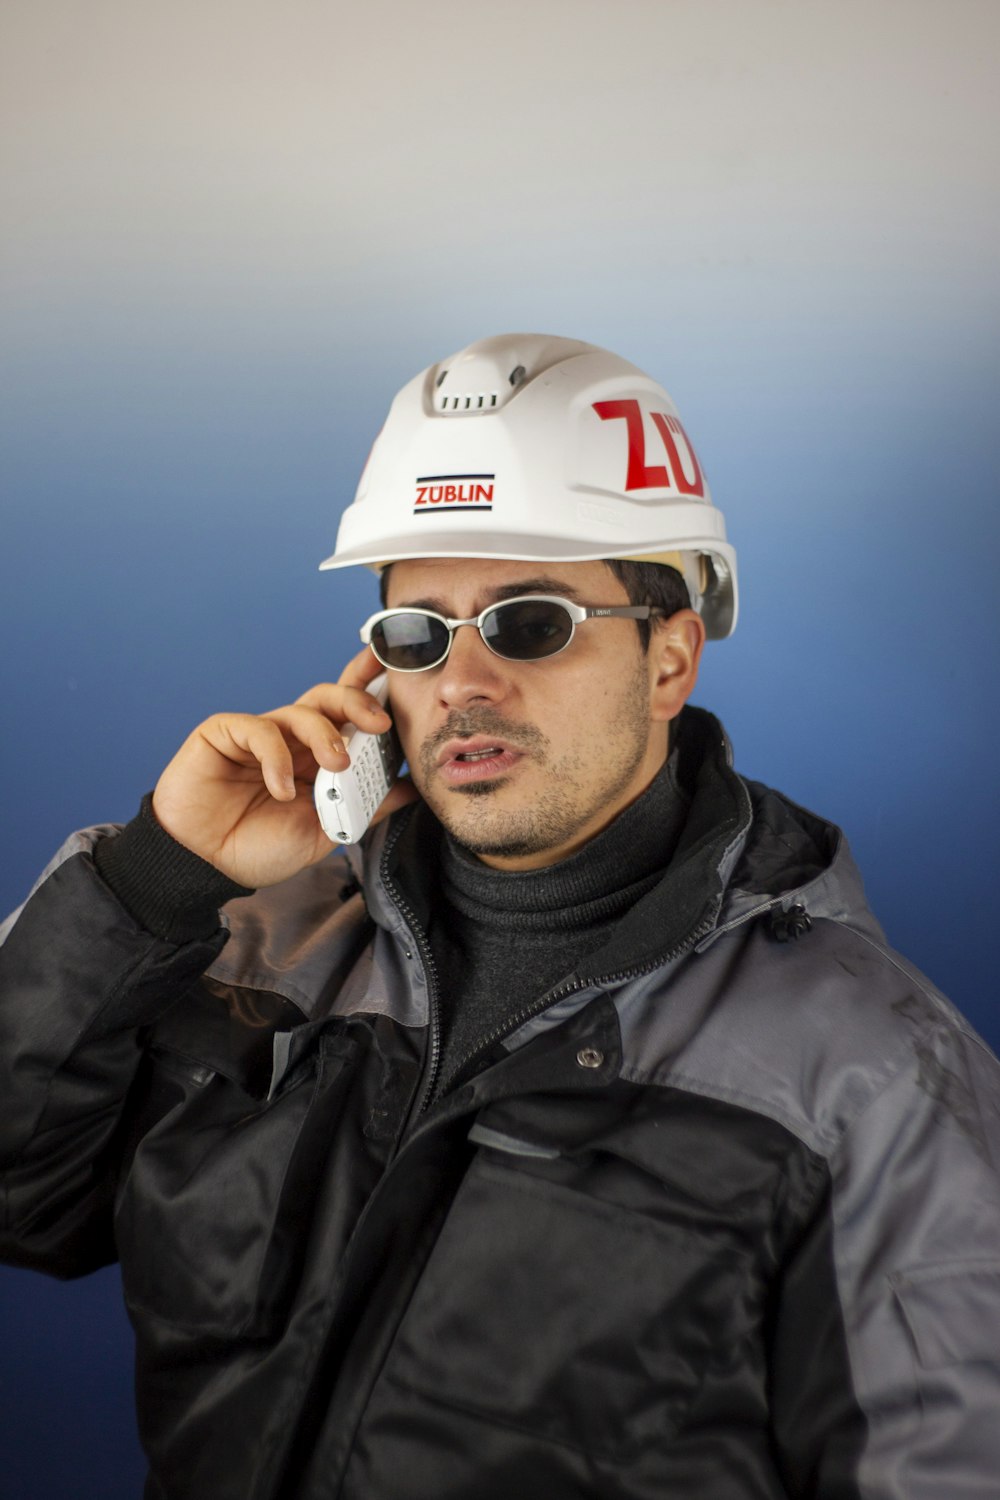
<point x="472" y="672"/>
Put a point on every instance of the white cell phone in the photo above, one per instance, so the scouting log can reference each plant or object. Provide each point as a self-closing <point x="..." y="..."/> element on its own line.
<point x="346" y="801"/>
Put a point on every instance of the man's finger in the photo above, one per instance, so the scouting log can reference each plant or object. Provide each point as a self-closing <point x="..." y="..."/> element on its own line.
<point x="348" y="699"/>
<point x="315" y="732"/>
<point x="244" y="738"/>
<point x="361" y="669"/>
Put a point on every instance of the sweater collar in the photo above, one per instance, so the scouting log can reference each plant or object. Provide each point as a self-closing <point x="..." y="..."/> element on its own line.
<point x="406" y="851"/>
<point x="599" y="881"/>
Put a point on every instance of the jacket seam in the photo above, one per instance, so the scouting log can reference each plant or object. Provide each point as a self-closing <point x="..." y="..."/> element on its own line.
<point x="675" y="1079"/>
<point x="519" y="1180"/>
<point x="945" y="1013"/>
<point x="264" y="984"/>
<point x="825" y="1142"/>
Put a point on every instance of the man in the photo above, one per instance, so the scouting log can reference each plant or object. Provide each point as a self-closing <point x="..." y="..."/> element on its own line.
<point x="575" y="1134"/>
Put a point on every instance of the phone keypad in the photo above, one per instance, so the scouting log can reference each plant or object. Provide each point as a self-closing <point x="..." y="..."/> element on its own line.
<point x="371" y="778"/>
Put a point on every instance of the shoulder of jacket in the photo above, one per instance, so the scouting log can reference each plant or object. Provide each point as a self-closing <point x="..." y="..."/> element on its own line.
<point x="807" y="1032"/>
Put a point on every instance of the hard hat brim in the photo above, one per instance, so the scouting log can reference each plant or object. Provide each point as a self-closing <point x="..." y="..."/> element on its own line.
<point x="720" y="604"/>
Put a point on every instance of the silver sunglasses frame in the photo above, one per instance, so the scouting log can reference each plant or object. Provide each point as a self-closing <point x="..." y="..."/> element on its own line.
<point x="577" y="614"/>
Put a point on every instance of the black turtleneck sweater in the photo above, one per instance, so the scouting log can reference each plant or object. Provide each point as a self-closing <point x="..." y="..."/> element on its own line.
<point x="503" y="940"/>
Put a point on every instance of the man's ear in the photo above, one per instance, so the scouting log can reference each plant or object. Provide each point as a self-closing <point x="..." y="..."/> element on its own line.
<point x="674" y="654"/>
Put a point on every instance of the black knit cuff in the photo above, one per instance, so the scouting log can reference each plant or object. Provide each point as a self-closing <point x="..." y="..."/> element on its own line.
<point x="168" y="889"/>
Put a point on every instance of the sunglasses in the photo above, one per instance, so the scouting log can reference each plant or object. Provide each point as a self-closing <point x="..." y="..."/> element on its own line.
<point x="525" y="629"/>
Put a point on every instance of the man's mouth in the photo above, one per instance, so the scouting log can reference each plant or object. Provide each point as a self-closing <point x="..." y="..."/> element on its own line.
<point x="460" y="762"/>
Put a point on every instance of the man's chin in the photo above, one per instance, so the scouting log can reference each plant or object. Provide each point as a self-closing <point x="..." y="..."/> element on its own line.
<point x="492" y="833"/>
<point x="449" y="805"/>
<point x="468" y="825"/>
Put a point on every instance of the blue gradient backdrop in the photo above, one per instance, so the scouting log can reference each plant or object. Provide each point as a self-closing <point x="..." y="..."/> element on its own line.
<point x="234" y="229"/>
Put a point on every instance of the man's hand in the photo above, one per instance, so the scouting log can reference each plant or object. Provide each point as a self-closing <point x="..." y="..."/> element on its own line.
<point x="239" y="791"/>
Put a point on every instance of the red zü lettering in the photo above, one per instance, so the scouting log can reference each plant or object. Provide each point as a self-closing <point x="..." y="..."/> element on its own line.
<point x="666" y="427"/>
<point x="643" y="476"/>
<point x="639" y="476"/>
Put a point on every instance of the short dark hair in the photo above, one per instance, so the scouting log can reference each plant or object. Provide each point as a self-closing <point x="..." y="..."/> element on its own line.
<point x="643" y="582"/>
<point x="650" y="583"/>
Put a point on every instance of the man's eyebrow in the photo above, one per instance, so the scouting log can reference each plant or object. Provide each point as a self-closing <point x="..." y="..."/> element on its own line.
<point x="540" y="585"/>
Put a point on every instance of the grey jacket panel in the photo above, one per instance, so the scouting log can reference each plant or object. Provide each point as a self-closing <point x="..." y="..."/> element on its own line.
<point x="843" y="1043"/>
<point x="298" y="939"/>
<point x="918" y="1255"/>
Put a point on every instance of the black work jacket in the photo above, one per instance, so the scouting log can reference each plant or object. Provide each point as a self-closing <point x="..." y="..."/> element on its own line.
<point x="719" y="1218"/>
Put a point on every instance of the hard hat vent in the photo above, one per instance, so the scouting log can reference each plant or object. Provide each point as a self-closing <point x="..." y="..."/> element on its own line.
<point x="469" y="401"/>
<point x="486" y="375"/>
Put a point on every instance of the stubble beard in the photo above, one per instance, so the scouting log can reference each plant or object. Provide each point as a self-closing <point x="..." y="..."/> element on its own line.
<point x="571" y="799"/>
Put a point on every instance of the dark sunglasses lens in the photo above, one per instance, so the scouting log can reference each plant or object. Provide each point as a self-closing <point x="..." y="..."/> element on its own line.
<point x="408" y="643"/>
<point x="527" y="629"/>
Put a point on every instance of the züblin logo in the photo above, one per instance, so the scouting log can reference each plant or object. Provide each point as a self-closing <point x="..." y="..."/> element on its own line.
<point x="437" y="492"/>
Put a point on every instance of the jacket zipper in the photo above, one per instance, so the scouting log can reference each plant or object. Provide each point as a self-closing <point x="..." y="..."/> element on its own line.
<point x="553" y="997"/>
<point x="528" y="1013"/>
<point x="422" y="946"/>
<point x="701" y="930"/>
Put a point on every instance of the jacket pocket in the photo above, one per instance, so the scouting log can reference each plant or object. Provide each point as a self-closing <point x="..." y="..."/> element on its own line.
<point x="212" y="1217"/>
<point x="568" y="1316"/>
<point x="950" y="1310"/>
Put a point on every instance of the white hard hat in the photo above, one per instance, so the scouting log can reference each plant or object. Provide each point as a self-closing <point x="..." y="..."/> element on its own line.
<point x="545" y="449"/>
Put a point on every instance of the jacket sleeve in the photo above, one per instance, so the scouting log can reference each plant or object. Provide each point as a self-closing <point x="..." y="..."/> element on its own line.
<point x="79" y="977"/>
<point x="887" y="1350"/>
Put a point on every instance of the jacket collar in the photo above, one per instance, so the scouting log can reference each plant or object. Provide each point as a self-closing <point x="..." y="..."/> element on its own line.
<point x="745" y="849"/>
